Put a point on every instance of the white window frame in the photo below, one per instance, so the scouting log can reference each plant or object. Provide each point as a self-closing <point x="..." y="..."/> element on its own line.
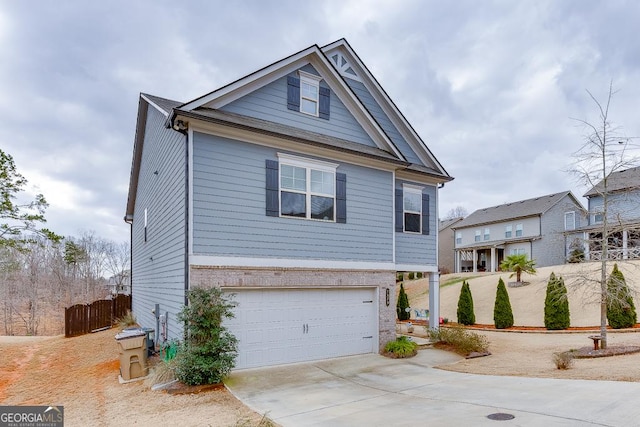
<point x="487" y="234"/>
<point x="313" y="81"/>
<point x="597" y="218"/>
<point x="518" y="251"/>
<point x="308" y="165"/>
<point x="572" y="215"/>
<point x="508" y="231"/>
<point x="458" y="238"/>
<point x="412" y="189"/>
<point x="478" y="236"/>
<point x="519" y="230"/>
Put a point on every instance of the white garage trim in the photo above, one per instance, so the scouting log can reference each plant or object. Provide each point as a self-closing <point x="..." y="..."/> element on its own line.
<point x="279" y="326"/>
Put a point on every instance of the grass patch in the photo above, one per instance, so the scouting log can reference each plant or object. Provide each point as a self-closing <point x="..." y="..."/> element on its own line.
<point x="460" y="340"/>
<point x="127" y="320"/>
<point x="400" y="348"/>
<point x="563" y="360"/>
<point x="264" y="422"/>
<point x="162" y="372"/>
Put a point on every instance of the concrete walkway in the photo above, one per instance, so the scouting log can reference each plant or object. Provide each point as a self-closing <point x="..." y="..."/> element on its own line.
<point x="372" y="390"/>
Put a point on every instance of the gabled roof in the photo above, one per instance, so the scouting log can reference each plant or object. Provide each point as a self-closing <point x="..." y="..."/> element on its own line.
<point x="446" y="223"/>
<point x="389" y="107"/>
<point x="330" y="72"/>
<point x="627" y="179"/>
<point x="520" y="209"/>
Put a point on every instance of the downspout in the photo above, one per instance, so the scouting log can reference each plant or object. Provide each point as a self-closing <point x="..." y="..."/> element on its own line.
<point x="129" y="221"/>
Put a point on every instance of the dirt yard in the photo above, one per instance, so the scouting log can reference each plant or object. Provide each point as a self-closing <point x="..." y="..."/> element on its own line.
<point x="82" y="375"/>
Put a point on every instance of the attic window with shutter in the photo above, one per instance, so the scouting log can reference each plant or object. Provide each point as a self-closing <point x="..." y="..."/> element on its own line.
<point x="306" y="95"/>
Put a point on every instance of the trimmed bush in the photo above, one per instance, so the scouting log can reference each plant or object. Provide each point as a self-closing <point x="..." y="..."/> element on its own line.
<point x="399" y="277"/>
<point x="400" y="348"/>
<point x="412" y="275"/>
<point x="556" y="305"/>
<point x="621" y="312"/>
<point x="466" y="315"/>
<point x="208" y="352"/>
<point x="502" y="314"/>
<point x="403" y="304"/>
<point x="419" y="275"/>
<point x="461" y="340"/>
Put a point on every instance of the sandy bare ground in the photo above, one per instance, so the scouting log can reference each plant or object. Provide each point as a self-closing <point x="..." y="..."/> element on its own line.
<point x="82" y="375"/>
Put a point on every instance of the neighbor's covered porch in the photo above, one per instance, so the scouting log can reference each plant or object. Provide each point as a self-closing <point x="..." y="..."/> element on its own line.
<point x="479" y="259"/>
<point x="621" y="244"/>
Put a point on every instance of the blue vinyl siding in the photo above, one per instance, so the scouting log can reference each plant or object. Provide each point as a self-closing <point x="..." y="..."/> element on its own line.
<point x="417" y="248"/>
<point x="229" y="210"/>
<point x="158" y="265"/>
<point x="376" y="111"/>
<point x="622" y="206"/>
<point x="270" y="103"/>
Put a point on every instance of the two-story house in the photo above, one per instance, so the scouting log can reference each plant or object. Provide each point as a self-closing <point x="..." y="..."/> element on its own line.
<point x="446" y="258"/>
<point x="300" y="190"/>
<point x="543" y="228"/>
<point x="623" y="216"/>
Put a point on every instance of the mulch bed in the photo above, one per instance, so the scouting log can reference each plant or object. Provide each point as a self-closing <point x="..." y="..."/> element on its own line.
<point x="617" y="350"/>
<point x="181" y="388"/>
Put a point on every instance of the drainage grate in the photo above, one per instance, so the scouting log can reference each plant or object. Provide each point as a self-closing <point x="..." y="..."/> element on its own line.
<point x="499" y="416"/>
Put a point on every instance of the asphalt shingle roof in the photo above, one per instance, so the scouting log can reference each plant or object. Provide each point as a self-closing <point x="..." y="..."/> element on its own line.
<point x="520" y="209"/>
<point x="623" y="180"/>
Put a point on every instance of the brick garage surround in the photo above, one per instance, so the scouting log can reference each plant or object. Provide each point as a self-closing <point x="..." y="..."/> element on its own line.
<point x="233" y="277"/>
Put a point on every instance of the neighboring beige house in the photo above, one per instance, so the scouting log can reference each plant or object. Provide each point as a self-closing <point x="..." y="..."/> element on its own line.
<point x="543" y="228"/>
<point x="623" y="213"/>
<point x="446" y="260"/>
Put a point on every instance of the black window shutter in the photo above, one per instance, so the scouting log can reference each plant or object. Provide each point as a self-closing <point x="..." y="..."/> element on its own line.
<point x="425" y="213"/>
<point x="341" y="198"/>
<point x="293" y="93"/>
<point x="271" y="185"/>
<point x="325" y="101"/>
<point x="399" y="211"/>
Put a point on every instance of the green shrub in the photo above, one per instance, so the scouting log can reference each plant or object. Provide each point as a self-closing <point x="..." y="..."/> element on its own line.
<point x="556" y="305"/>
<point x="403" y="304"/>
<point x="461" y="340"/>
<point x="208" y="352"/>
<point x="502" y="314"/>
<point x="621" y="312"/>
<point x="419" y="275"/>
<point x="466" y="315"/>
<point x="402" y="347"/>
<point x="411" y="275"/>
<point x="399" y="277"/>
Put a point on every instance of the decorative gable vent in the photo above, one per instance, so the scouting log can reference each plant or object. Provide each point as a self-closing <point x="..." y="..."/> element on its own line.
<point x="343" y="66"/>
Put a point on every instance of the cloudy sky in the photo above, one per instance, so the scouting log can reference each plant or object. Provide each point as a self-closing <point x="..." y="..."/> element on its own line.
<point x="491" y="86"/>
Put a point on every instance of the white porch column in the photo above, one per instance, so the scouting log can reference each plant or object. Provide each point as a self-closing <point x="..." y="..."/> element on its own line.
<point x="434" y="300"/>
<point x="625" y="253"/>
<point x="493" y="259"/>
<point x="458" y="267"/>
<point x="475" y="261"/>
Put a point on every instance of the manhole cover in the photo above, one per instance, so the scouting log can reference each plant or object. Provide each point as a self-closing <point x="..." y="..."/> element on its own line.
<point x="500" y="416"/>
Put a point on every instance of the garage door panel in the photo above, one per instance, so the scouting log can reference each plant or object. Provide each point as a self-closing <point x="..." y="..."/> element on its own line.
<point x="294" y="325"/>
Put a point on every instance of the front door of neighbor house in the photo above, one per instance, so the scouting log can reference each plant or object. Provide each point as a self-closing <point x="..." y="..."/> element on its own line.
<point x="295" y="325"/>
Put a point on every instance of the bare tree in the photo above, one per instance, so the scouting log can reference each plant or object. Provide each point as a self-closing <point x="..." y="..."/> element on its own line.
<point x="117" y="258"/>
<point x="457" y="212"/>
<point x="605" y="151"/>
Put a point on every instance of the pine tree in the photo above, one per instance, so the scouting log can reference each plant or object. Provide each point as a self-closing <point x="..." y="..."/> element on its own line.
<point x="466" y="316"/>
<point x="502" y="314"/>
<point x="621" y="312"/>
<point x="556" y="305"/>
<point x="403" y="304"/>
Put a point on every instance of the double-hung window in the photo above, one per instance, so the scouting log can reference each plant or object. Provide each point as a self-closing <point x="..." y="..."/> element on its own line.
<point x="307" y="189"/>
<point x="477" y="237"/>
<point x="309" y="93"/>
<point x="518" y="230"/>
<point x="486" y="234"/>
<point x="458" y="238"/>
<point x="508" y="229"/>
<point x="412" y="202"/>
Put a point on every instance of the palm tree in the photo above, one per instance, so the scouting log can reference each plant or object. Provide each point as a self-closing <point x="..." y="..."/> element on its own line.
<point x="518" y="264"/>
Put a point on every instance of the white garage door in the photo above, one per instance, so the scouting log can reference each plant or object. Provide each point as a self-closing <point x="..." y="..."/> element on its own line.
<point x="295" y="325"/>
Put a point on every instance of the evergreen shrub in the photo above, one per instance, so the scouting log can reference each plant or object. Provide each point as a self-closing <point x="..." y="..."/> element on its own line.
<point x="556" y="305"/>
<point x="621" y="312"/>
<point x="466" y="315"/>
<point x="502" y="314"/>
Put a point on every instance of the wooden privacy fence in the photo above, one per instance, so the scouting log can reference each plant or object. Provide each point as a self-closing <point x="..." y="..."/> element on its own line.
<point x="82" y="319"/>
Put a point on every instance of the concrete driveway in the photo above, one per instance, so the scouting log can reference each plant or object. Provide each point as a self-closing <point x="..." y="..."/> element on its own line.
<point x="372" y="390"/>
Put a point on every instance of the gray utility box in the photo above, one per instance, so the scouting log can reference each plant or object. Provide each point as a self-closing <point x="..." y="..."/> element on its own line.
<point x="132" y="346"/>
